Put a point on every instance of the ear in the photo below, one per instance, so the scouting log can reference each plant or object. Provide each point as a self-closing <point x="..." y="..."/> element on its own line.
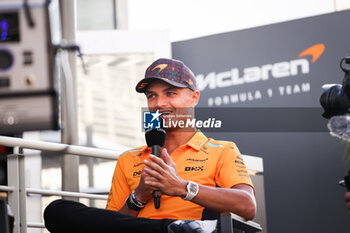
<point x="195" y="97"/>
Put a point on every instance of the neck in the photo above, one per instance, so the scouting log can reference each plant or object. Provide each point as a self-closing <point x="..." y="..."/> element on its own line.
<point x="177" y="138"/>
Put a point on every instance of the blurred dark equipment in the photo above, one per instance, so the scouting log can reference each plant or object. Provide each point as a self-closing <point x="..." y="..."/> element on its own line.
<point x="28" y="86"/>
<point x="155" y="139"/>
<point x="6" y="217"/>
<point x="4" y="152"/>
<point x="335" y="99"/>
<point x="346" y="181"/>
<point x="230" y="223"/>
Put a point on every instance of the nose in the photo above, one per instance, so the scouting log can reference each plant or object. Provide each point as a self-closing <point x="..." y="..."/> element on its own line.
<point x="161" y="102"/>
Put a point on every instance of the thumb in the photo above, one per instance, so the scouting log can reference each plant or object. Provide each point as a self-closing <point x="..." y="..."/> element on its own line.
<point x="166" y="157"/>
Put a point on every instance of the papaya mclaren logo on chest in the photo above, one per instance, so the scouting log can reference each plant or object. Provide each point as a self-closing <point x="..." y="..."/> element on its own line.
<point x="138" y="164"/>
<point x="193" y="160"/>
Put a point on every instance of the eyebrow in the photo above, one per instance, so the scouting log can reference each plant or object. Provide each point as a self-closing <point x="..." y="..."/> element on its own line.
<point x="170" y="89"/>
<point x="165" y="90"/>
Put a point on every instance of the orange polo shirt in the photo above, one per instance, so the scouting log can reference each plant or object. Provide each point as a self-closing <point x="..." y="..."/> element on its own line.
<point x="202" y="160"/>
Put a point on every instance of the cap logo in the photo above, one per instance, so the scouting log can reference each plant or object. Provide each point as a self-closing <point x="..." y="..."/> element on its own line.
<point x="190" y="82"/>
<point x="143" y="85"/>
<point x="161" y="67"/>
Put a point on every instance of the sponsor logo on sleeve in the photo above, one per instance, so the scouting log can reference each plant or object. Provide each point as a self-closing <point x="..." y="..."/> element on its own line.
<point x="137" y="173"/>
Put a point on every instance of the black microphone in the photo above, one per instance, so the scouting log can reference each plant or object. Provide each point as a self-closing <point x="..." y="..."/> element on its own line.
<point x="155" y="139"/>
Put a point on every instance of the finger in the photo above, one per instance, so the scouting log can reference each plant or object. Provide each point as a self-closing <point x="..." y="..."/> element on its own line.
<point x="144" y="173"/>
<point x="152" y="173"/>
<point x="153" y="179"/>
<point x="154" y="184"/>
<point x="153" y="166"/>
<point x="158" y="161"/>
<point x="166" y="157"/>
<point x="151" y="184"/>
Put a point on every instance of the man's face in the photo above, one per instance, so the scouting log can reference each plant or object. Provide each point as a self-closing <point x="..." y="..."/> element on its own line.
<point x="170" y="100"/>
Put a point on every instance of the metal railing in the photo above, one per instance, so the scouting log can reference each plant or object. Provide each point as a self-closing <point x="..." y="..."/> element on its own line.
<point x="17" y="190"/>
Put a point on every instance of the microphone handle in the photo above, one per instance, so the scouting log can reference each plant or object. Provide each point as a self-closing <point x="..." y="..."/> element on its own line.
<point x="155" y="150"/>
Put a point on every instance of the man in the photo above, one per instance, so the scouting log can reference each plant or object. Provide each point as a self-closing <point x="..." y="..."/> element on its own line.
<point x="169" y="86"/>
<point x="196" y="176"/>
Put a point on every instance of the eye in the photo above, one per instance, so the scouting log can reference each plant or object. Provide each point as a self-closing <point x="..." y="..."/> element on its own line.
<point x="150" y="96"/>
<point x="170" y="93"/>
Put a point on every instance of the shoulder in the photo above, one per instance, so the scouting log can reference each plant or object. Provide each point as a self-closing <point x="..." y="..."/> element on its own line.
<point x="135" y="152"/>
<point x="221" y="144"/>
<point x="222" y="147"/>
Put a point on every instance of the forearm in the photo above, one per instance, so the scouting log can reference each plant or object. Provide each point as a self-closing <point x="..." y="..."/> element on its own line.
<point x="127" y="211"/>
<point x="238" y="199"/>
<point x="233" y="200"/>
<point x="132" y="205"/>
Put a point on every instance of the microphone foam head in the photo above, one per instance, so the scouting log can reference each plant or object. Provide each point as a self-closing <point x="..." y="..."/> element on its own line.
<point x="339" y="126"/>
<point x="155" y="137"/>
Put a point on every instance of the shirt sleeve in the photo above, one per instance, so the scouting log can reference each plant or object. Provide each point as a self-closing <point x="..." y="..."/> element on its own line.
<point x="231" y="169"/>
<point x="120" y="189"/>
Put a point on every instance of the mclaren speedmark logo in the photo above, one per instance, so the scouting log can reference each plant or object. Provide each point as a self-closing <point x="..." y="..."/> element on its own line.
<point x="265" y="72"/>
<point x="160" y="67"/>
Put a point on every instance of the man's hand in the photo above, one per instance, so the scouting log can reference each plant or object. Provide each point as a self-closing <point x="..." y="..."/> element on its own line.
<point x="162" y="175"/>
<point x="144" y="191"/>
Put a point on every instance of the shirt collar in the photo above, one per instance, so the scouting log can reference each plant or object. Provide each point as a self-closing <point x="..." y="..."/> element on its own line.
<point x="197" y="141"/>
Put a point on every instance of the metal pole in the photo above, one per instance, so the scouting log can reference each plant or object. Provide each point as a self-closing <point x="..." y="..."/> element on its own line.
<point x="22" y="194"/>
<point x="69" y="134"/>
<point x="13" y="181"/>
<point x="90" y="162"/>
<point x="66" y="194"/>
<point x="17" y="198"/>
<point x="57" y="147"/>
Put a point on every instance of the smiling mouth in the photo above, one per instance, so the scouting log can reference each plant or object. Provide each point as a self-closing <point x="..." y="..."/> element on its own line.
<point x="167" y="114"/>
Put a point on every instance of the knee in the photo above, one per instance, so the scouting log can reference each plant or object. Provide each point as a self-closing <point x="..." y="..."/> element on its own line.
<point x="51" y="215"/>
<point x="52" y="208"/>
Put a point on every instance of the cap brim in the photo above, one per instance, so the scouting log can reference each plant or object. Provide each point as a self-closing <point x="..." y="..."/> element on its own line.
<point x="142" y="86"/>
